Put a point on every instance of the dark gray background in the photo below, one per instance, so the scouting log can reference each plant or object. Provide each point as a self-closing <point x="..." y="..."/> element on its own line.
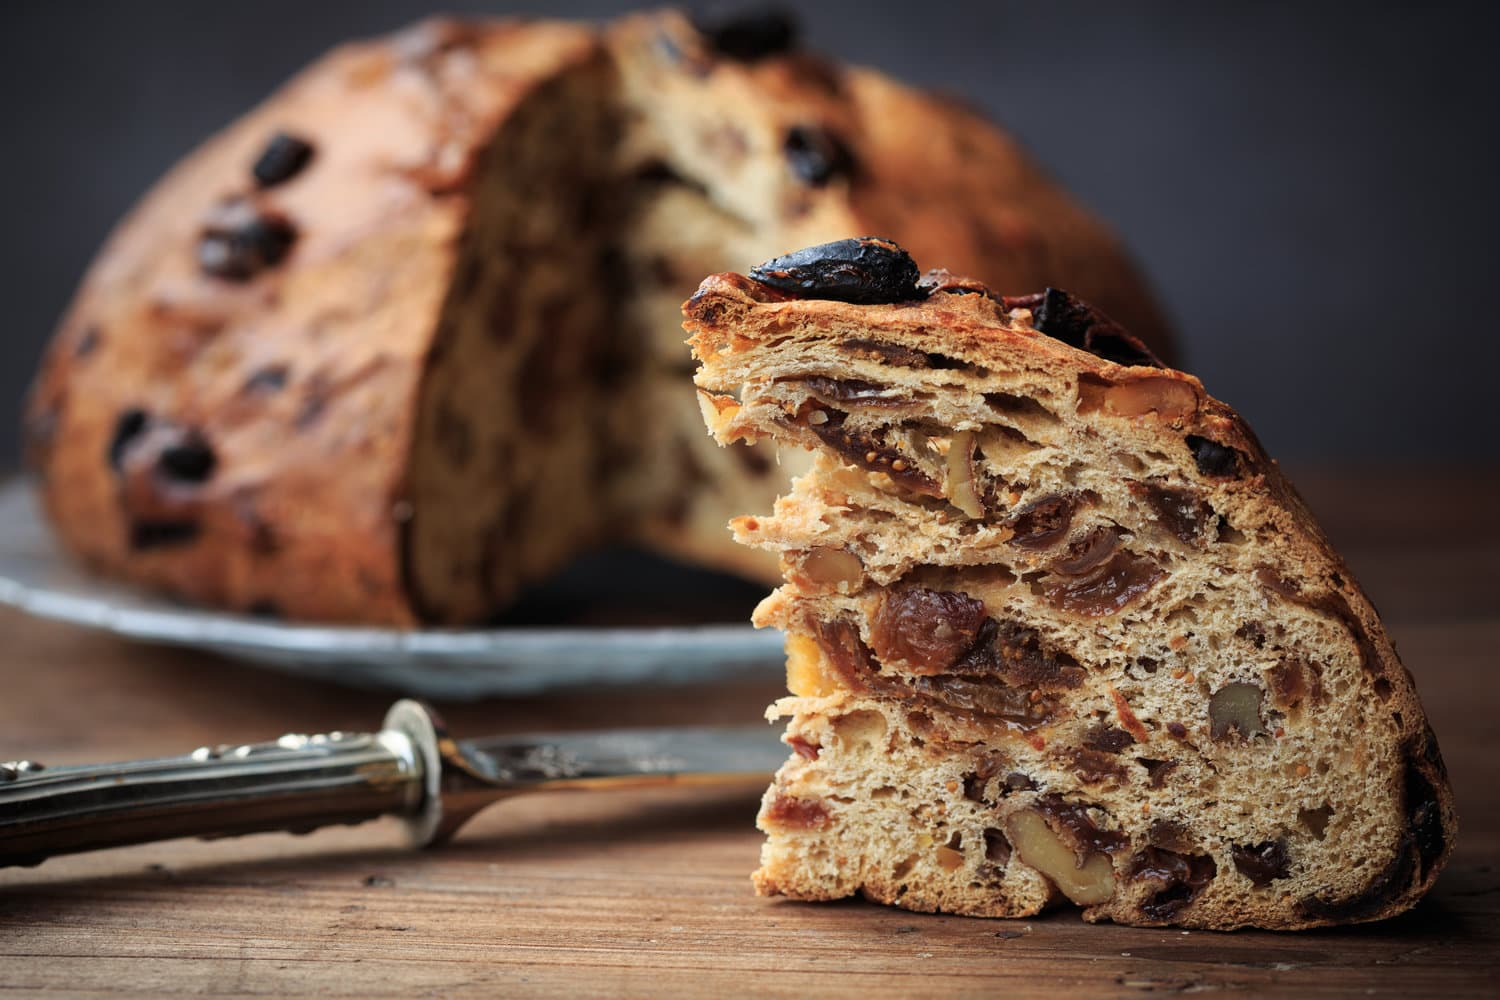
<point x="1310" y="187"/>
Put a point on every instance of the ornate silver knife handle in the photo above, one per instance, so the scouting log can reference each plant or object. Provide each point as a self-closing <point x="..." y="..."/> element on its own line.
<point x="296" y="783"/>
<point x="411" y="768"/>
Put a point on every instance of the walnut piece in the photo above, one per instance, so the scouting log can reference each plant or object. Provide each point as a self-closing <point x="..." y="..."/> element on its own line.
<point x="1087" y="883"/>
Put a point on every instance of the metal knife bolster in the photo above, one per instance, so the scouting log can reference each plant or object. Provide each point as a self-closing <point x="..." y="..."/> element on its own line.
<point x="411" y="768"/>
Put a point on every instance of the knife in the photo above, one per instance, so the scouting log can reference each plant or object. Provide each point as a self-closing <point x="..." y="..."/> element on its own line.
<point x="411" y="768"/>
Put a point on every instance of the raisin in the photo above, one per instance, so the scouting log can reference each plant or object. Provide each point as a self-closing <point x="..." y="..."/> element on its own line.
<point x="1425" y="818"/>
<point x="804" y="749"/>
<point x="1293" y="680"/>
<point x="749" y="36"/>
<point x="241" y="241"/>
<point x="1017" y="655"/>
<point x="996" y="847"/>
<point x="1062" y="316"/>
<point x="866" y="271"/>
<point x="1088" y="553"/>
<point x="1157" y="770"/>
<point x="928" y="630"/>
<point x="856" y="391"/>
<point x="817" y="156"/>
<point x="1043" y="523"/>
<point x="1178" y="879"/>
<point x="1262" y="863"/>
<point x="1073" y="822"/>
<point x="1092" y="767"/>
<point x="1109" y="739"/>
<point x="282" y="159"/>
<point x="129" y="426"/>
<point x="1213" y="459"/>
<point x="190" y="459"/>
<point x="1177" y="510"/>
<point x="790" y="812"/>
<point x="1122" y="580"/>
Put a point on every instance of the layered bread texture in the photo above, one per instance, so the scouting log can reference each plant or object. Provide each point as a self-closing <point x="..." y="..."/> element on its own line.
<point x="405" y="337"/>
<point x="1057" y="628"/>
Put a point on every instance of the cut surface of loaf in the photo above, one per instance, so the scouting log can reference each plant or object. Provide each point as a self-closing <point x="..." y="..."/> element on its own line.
<point x="1057" y="628"/>
<point x="406" y="336"/>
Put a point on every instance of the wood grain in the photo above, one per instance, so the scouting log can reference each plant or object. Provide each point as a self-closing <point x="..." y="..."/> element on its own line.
<point x="619" y="894"/>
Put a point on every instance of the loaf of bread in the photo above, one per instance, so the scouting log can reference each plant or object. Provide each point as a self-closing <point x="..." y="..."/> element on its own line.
<point x="406" y="336"/>
<point x="1057" y="628"/>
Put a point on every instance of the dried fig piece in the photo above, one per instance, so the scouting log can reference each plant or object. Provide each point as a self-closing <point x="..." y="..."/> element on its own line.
<point x="870" y="452"/>
<point x="1262" y="863"/>
<point x="239" y="241"/>
<point x="866" y="271"/>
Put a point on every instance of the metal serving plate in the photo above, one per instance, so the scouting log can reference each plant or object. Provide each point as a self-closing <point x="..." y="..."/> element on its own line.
<point x="37" y="578"/>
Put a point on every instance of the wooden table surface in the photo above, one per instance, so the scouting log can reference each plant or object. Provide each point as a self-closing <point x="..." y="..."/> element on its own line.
<point x="648" y="893"/>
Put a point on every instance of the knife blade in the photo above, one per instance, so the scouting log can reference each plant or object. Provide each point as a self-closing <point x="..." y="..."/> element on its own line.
<point x="411" y="768"/>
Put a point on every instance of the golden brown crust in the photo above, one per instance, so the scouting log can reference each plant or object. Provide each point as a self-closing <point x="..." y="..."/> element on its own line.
<point x="1176" y="598"/>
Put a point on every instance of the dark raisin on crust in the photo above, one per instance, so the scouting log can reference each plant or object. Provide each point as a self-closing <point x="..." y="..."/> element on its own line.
<point x="282" y="159"/>
<point x="240" y="241"/>
<point x="189" y="459"/>
<point x="129" y="426"/>
<point x="1263" y="863"/>
<point x="748" y="35"/>
<point x="1064" y="317"/>
<point x="1213" y="459"/>
<point x="816" y="156"/>
<point x="866" y="271"/>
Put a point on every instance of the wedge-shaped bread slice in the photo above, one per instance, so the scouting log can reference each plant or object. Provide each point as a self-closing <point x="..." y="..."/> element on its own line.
<point x="1056" y="625"/>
